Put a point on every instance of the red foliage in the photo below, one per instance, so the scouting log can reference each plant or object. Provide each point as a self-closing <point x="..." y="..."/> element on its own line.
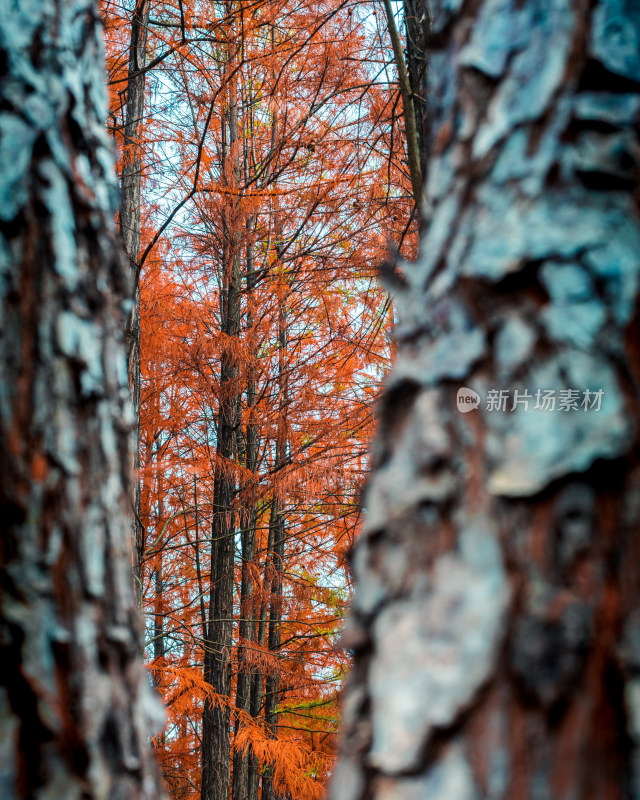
<point x="305" y="199"/>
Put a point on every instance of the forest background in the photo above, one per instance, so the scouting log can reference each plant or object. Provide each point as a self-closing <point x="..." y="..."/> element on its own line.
<point x="263" y="177"/>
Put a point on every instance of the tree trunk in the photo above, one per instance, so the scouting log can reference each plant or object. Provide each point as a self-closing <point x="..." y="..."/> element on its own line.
<point x="131" y="175"/>
<point x="76" y="708"/>
<point x="158" y="576"/>
<point x="408" y="110"/>
<point x="216" y="738"/>
<point x="129" y="216"/>
<point x="272" y="684"/>
<point x="247" y="627"/>
<point x="495" y="622"/>
<point x="417" y="27"/>
<point x="257" y="678"/>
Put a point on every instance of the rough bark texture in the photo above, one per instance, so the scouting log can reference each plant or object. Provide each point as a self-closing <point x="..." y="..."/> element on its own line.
<point x="417" y="27"/>
<point x="273" y="693"/>
<point x="76" y="708"/>
<point x="257" y="678"/>
<point x="272" y="683"/>
<point x="131" y="155"/>
<point x="216" y="720"/>
<point x="409" y="115"/>
<point x="247" y="626"/>
<point x="495" y="623"/>
<point x="129" y="215"/>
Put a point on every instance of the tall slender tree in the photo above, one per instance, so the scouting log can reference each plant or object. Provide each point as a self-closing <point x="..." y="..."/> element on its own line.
<point x="273" y="690"/>
<point x="216" y="742"/>
<point x="242" y="622"/>
<point x="129" y="223"/>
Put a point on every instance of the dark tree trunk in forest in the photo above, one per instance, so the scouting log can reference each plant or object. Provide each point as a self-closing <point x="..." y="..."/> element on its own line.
<point x="272" y="683"/>
<point x="129" y="215"/>
<point x="216" y="721"/>
<point x="247" y="627"/>
<point x="276" y="535"/>
<point x="417" y="27"/>
<point x="257" y="678"/>
<point x="76" y="708"/>
<point x="216" y="741"/>
<point x="131" y="172"/>
<point x="495" y="623"/>
<point x="412" y="139"/>
<point x="159" y="650"/>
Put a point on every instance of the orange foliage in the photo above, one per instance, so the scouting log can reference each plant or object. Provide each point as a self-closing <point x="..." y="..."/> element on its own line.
<point x="307" y="199"/>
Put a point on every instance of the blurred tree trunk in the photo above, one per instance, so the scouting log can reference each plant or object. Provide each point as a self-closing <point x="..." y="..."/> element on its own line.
<point x="495" y="623"/>
<point x="76" y="708"/>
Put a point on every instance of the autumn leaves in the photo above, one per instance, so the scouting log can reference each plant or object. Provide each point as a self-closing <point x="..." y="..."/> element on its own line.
<point x="272" y="179"/>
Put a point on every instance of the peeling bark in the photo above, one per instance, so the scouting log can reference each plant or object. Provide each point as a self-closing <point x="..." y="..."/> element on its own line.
<point x="76" y="707"/>
<point x="495" y="625"/>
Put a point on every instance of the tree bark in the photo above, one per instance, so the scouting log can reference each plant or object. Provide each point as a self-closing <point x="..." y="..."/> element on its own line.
<point x="76" y="708"/>
<point x="272" y="683"/>
<point x="131" y="174"/>
<point x="417" y="26"/>
<point x="216" y="737"/>
<point x="257" y="678"/>
<point x="129" y="217"/>
<point x="495" y="622"/>
<point x="408" y="109"/>
<point x="247" y="625"/>
<point x="276" y="535"/>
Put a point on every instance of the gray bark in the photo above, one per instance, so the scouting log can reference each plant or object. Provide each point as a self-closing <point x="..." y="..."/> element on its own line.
<point x="495" y="621"/>
<point x="129" y="216"/>
<point x="131" y="161"/>
<point x="76" y="708"/>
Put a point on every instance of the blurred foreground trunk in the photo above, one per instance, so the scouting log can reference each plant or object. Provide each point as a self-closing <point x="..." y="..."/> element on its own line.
<point x="76" y="709"/>
<point x="496" y="619"/>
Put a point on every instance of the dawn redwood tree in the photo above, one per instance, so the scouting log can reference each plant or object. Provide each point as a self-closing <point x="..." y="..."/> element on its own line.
<point x="216" y="738"/>
<point x="417" y="27"/>
<point x="248" y="661"/>
<point x="495" y="623"/>
<point x="76" y="708"/>
<point x="263" y="193"/>
<point x="129" y="223"/>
